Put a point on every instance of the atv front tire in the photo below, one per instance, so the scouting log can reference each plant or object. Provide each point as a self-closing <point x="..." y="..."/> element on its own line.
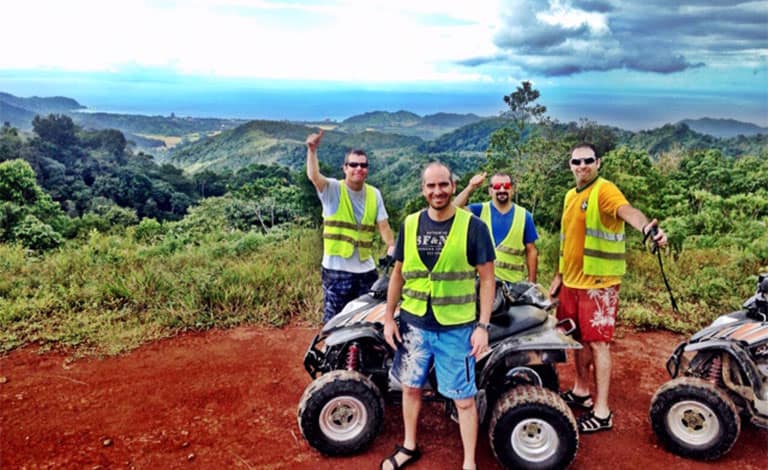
<point x="532" y="427"/>
<point x="693" y="418"/>
<point x="341" y="412"/>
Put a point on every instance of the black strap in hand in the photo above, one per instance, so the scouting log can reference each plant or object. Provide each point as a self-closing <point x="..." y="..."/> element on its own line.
<point x="652" y="232"/>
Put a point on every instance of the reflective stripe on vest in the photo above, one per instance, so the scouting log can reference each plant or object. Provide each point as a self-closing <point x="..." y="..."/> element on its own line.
<point x="605" y="250"/>
<point x="510" y="259"/>
<point x="450" y="286"/>
<point x="342" y="233"/>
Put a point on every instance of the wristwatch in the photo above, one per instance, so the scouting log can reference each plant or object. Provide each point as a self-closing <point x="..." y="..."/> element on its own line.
<point x="485" y="326"/>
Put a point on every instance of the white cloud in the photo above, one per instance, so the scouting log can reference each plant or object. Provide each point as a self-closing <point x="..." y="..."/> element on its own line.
<point x="563" y="14"/>
<point x="355" y="40"/>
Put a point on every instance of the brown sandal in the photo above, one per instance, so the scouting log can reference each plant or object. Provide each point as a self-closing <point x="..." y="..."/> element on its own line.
<point x="413" y="455"/>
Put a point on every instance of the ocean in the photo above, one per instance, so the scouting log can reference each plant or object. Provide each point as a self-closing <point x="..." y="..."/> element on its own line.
<point x="631" y="110"/>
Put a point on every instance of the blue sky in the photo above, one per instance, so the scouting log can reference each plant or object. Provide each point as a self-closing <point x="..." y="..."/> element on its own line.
<point x="635" y="64"/>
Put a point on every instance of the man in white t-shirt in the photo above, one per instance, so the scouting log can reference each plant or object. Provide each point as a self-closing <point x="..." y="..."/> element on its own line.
<point x="352" y="210"/>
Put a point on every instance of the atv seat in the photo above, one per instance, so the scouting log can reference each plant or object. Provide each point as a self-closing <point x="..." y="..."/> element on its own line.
<point x="516" y="319"/>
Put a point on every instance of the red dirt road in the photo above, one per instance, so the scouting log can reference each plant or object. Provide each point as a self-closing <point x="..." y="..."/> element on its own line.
<point x="228" y="399"/>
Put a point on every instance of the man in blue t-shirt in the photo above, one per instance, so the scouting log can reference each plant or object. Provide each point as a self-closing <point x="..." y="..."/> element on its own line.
<point x="512" y="228"/>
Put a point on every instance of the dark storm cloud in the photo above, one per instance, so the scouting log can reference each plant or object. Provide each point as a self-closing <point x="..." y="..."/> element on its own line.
<point x="561" y="37"/>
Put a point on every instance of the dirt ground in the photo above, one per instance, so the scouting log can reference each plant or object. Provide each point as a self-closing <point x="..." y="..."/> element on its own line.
<point x="228" y="399"/>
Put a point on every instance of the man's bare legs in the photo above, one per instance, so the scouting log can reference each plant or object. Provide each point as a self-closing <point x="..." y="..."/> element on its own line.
<point x="582" y="361"/>
<point x="595" y="355"/>
<point x="468" y="424"/>
<point x="411" y="410"/>
<point x="601" y="358"/>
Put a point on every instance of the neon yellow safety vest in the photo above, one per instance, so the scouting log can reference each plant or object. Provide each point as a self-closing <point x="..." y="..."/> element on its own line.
<point x="342" y="233"/>
<point x="605" y="250"/>
<point x="510" y="259"/>
<point x="450" y="286"/>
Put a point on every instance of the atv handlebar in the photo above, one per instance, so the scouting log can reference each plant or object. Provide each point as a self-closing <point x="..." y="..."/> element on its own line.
<point x="386" y="261"/>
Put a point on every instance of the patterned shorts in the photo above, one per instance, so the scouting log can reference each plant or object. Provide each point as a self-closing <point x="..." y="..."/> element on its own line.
<point x="449" y="351"/>
<point x="593" y="310"/>
<point x="341" y="287"/>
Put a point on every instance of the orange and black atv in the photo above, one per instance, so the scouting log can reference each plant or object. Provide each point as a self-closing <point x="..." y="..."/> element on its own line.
<point x="720" y="376"/>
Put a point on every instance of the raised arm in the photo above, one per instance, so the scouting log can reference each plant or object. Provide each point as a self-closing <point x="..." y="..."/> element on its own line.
<point x="313" y="166"/>
<point x="475" y="182"/>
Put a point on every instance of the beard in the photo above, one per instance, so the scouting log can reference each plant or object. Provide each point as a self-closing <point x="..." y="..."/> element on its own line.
<point x="502" y="197"/>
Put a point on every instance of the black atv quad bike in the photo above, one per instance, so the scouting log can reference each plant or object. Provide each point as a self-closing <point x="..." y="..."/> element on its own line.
<point x="529" y="425"/>
<point x="720" y="376"/>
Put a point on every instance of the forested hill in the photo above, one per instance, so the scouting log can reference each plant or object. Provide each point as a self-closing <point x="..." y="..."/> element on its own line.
<point x="671" y="137"/>
<point x="267" y="142"/>
<point x="19" y="112"/>
<point x="407" y="123"/>
<point x="16" y="116"/>
<point x="172" y="126"/>
<point x="680" y="137"/>
<point x="54" y="104"/>
<point x="724" y="127"/>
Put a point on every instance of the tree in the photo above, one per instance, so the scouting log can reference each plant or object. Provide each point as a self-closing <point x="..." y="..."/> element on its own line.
<point x="10" y="143"/>
<point x="507" y="148"/>
<point x="529" y="149"/>
<point x="57" y="129"/>
<point x="27" y="213"/>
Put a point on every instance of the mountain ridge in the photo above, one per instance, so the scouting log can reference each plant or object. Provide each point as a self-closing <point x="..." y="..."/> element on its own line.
<point x="724" y="127"/>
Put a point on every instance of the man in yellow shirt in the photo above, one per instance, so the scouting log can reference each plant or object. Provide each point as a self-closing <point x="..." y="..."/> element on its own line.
<point x="592" y="261"/>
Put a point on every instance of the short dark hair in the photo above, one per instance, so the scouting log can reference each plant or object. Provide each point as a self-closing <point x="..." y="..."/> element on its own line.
<point x="501" y="174"/>
<point x="585" y="145"/>
<point x="358" y="152"/>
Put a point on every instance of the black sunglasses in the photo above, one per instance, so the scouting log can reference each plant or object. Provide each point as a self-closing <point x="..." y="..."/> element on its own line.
<point x="579" y="161"/>
<point x="356" y="164"/>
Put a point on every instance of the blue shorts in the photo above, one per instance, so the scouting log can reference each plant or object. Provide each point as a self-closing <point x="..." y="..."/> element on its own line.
<point x="449" y="350"/>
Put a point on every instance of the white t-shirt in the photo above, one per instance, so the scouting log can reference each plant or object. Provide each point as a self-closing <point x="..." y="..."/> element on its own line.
<point x="329" y="198"/>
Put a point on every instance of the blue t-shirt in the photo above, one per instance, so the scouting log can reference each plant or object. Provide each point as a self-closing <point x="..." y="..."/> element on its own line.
<point x="430" y="239"/>
<point x="501" y="223"/>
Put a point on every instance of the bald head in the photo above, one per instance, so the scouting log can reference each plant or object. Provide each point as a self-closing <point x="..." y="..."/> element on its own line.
<point x="437" y="186"/>
<point x="436" y="169"/>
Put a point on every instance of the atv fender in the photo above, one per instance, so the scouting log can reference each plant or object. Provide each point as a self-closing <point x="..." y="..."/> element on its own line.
<point x="737" y="353"/>
<point x="348" y="334"/>
<point x="545" y="347"/>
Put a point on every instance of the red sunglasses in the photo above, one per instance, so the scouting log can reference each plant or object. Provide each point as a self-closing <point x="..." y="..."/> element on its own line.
<point x="497" y="186"/>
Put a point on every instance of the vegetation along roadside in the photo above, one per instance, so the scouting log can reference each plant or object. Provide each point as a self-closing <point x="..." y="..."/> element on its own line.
<point x="103" y="248"/>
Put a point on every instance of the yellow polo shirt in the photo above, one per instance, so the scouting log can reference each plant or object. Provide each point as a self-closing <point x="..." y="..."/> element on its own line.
<point x="574" y="226"/>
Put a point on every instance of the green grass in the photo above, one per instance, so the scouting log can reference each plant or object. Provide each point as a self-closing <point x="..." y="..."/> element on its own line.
<point x="109" y="293"/>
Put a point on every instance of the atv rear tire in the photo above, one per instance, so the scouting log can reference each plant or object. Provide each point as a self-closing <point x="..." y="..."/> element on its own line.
<point x="341" y="412"/>
<point x="532" y="427"/>
<point x="693" y="418"/>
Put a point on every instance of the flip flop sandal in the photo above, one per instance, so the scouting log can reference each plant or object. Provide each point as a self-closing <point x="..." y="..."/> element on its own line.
<point x="591" y="423"/>
<point x="571" y="399"/>
<point x="413" y="455"/>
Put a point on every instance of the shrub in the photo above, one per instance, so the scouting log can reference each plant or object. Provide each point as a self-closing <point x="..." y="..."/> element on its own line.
<point x="36" y="235"/>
